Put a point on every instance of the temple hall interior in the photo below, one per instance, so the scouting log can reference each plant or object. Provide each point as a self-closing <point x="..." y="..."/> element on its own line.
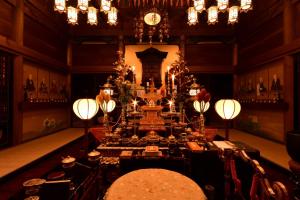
<point x="149" y="99"/>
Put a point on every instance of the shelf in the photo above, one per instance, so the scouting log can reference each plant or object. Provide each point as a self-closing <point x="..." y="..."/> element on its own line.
<point x="279" y="106"/>
<point x="28" y="106"/>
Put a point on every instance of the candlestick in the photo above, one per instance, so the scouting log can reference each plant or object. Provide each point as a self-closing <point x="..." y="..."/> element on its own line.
<point x="173" y="80"/>
<point x="170" y="105"/>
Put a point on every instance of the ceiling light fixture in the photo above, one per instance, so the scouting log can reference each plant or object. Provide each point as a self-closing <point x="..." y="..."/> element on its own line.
<point x="199" y="5"/>
<point x="192" y="16"/>
<point x="60" y="5"/>
<point x="222" y="5"/>
<point x="112" y="16"/>
<point x="156" y="22"/>
<point x="83" y="5"/>
<point x="246" y="5"/>
<point x="92" y="18"/>
<point x="72" y="15"/>
<point x="212" y="15"/>
<point x="233" y="14"/>
<point x="105" y="5"/>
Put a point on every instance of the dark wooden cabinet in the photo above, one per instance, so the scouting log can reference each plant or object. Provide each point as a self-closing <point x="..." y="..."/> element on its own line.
<point x="151" y="61"/>
<point x="5" y="99"/>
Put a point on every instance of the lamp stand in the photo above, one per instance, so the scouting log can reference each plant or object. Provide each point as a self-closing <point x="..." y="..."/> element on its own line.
<point x="85" y="146"/>
<point x="226" y="129"/>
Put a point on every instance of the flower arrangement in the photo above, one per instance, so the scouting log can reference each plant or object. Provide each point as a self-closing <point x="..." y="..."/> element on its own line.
<point x="180" y="69"/>
<point x="123" y="85"/>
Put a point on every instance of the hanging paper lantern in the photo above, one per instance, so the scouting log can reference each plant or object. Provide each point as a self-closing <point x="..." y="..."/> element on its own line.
<point x="92" y="16"/>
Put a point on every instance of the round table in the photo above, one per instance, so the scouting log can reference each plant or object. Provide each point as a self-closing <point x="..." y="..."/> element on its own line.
<point x="154" y="184"/>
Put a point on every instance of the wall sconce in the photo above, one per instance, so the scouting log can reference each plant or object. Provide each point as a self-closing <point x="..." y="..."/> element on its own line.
<point x="85" y="109"/>
<point x="60" y="5"/>
<point x="83" y="5"/>
<point x="227" y="109"/>
<point x="72" y="15"/>
<point x="92" y="16"/>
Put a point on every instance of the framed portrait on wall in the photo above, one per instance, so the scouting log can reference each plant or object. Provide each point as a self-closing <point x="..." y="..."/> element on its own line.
<point x="54" y="87"/>
<point x="43" y="84"/>
<point x="262" y="82"/>
<point x="276" y="81"/>
<point x="30" y="82"/>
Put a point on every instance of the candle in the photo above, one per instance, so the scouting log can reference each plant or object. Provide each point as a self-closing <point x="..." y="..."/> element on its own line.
<point x="134" y="105"/>
<point x="173" y="81"/>
<point x="168" y="69"/>
<point x="170" y="104"/>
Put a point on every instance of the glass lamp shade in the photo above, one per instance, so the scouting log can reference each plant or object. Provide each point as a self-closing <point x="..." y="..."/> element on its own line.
<point x="199" y="5"/>
<point x="60" y="5"/>
<point x="105" y="5"/>
<point x="112" y="16"/>
<point x="222" y="5"/>
<point x="192" y="16"/>
<point x="83" y="5"/>
<point x="92" y="16"/>
<point x="212" y="15"/>
<point x="107" y="107"/>
<point x="246" y="5"/>
<point x="233" y="14"/>
<point x="85" y="108"/>
<point x="201" y="107"/>
<point x="72" y="15"/>
<point x="227" y="108"/>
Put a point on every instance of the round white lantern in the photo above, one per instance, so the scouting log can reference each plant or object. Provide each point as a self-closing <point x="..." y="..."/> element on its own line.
<point x="85" y="109"/>
<point x="228" y="108"/>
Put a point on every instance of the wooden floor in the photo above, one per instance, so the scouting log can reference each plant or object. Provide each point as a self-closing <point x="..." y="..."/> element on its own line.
<point x="17" y="157"/>
<point x="269" y="150"/>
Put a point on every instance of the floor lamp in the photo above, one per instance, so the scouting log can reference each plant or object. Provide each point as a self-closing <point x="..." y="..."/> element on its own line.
<point x="85" y="109"/>
<point x="227" y="109"/>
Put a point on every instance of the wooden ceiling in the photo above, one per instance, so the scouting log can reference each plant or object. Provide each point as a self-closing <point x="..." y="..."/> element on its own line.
<point x="129" y="9"/>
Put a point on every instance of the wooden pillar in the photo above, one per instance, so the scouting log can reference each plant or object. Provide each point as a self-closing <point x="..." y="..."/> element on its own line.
<point x="18" y="97"/>
<point x="69" y="78"/>
<point x="121" y="46"/>
<point x="288" y="36"/>
<point x="182" y="45"/>
<point x="234" y="66"/>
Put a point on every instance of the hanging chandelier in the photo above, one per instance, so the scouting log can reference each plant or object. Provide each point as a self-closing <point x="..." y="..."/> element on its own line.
<point x="154" y="22"/>
<point x="92" y="16"/>
<point x="83" y="6"/>
<point x="213" y="10"/>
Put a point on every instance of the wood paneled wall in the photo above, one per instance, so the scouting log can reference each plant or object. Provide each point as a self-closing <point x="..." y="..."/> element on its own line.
<point x="93" y="58"/>
<point x="265" y="35"/>
<point x="30" y="30"/>
<point x="206" y="58"/>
